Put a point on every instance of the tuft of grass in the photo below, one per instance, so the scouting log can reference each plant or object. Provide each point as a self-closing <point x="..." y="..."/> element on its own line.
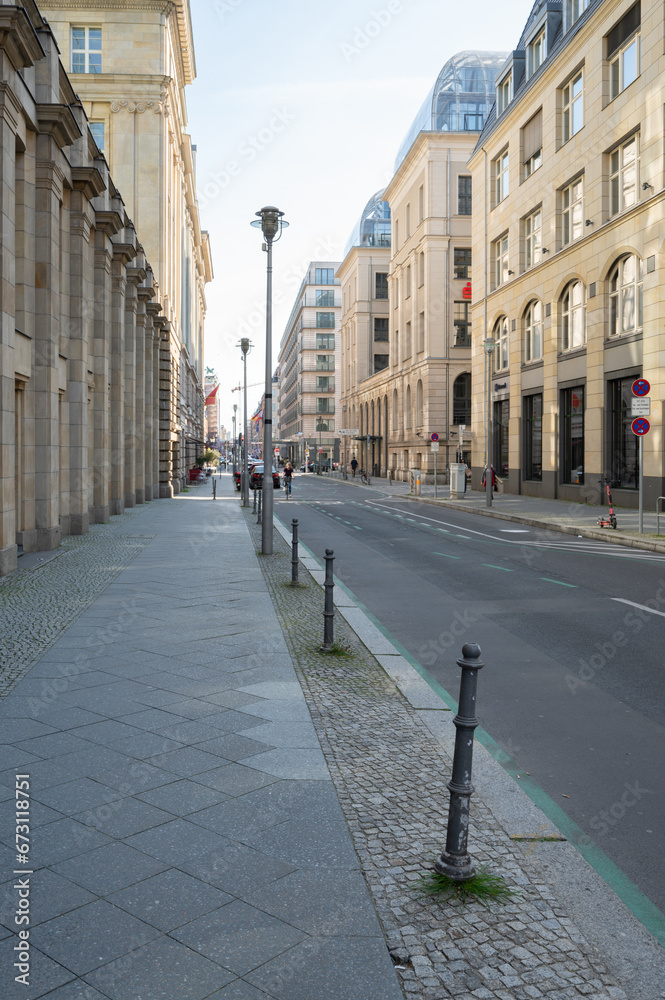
<point x="335" y="650"/>
<point x="484" y="887"/>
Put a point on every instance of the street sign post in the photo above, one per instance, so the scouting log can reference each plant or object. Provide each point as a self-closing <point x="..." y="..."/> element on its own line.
<point x="641" y="426"/>
<point x="435" y="448"/>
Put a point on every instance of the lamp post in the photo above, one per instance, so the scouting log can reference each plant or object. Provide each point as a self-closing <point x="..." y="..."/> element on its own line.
<point x="271" y="224"/>
<point x="489" y="345"/>
<point x="235" y="440"/>
<point x="244" y="347"/>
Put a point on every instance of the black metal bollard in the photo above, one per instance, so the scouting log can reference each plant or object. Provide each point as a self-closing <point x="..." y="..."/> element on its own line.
<point x="259" y="518"/>
<point x="214" y="488"/>
<point x="254" y="504"/>
<point x="328" y="608"/>
<point x="294" y="550"/>
<point x="455" y="861"/>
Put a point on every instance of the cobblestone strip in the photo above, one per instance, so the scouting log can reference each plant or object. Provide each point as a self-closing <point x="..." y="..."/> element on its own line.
<point x="38" y="604"/>
<point x="390" y="776"/>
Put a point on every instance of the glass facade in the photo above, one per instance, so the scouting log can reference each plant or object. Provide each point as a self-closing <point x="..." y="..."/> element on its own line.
<point x="624" y="445"/>
<point x="572" y="435"/>
<point x="373" y="227"/>
<point x="533" y="437"/>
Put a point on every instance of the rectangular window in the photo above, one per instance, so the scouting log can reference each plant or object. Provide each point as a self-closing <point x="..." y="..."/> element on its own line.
<point x="381" y="285"/>
<point x="571" y="211"/>
<point x="501" y="338"/>
<point x="624" y="449"/>
<point x="408" y="221"/>
<point x="504" y="93"/>
<point x="462" y="399"/>
<point x="501" y="177"/>
<point x="381" y="328"/>
<point x="325" y="298"/>
<point x="421" y="269"/>
<point x="536" y="53"/>
<point x="325" y="405"/>
<point x="324" y="275"/>
<point x="501" y="427"/>
<point x="407" y="290"/>
<point x="462" y="262"/>
<point x="624" y="167"/>
<point x="407" y="340"/>
<point x="380" y="362"/>
<point x="324" y="425"/>
<point x="533" y="228"/>
<point x="572" y="435"/>
<point x="325" y="320"/>
<point x="325" y="363"/>
<point x="623" y="51"/>
<point x="573" y="9"/>
<point x="462" y="324"/>
<point x="532" y="143"/>
<point x="500" y="260"/>
<point x="98" y="134"/>
<point x="421" y="333"/>
<point x="573" y="106"/>
<point x="421" y="202"/>
<point x="325" y="341"/>
<point x="533" y="437"/>
<point x="325" y="383"/>
<point x="86" y="50"/>
<point x="464" y="196"/>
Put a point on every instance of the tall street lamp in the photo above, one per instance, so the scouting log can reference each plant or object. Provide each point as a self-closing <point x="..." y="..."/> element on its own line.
<point x="271" y="224"/>
<point x="245" y="347"/>
<point x="235" y="441"/>
<point x="489" y="346"/>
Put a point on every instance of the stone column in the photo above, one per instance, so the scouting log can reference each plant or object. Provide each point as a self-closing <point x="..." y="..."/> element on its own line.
<point x="167" y="377"/>
<point x="122" y="254"/>
<point x="137" y="275"/>
<point x="146" y="293"/>
<point x="153" y="309"/>
<point x="8" y="112"/>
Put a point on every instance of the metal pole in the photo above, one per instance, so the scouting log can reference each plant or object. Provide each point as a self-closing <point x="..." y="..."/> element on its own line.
<point x="254" y="504"/>
<point x="455" y="861"/>
<point x="328" y="608"/>
<point x="641" y="479"/>
<point x="294" y="550"/>
<point x="267" y="523"/>
<point x="214" y="488"/>
<point x="259" y="518"/>
<point x="245" y="456"/>
<point x="435" y="492"/>
<point x="488" y="480"/>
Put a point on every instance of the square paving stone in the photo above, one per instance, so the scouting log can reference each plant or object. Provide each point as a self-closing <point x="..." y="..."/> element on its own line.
<point x="146" y="745"/>
<point x="179" y="842"/>
<point x="322" y="903"/>
<point x="45" y="974"/>
<point x="76" y="990"/>
<point x="152" y="719"/>
<point x="353" y="968"/>
<point x="65" y="838"/>
<point x="107" y="731"/>
<point x="232" y="721"/>
<point x="55" y="745"/>
<point x="236" y="779"/>
<point x="309" y="842"/>
<point x="187" y="761"/>
<point x="110" y="868"/>
<point x="298" y="735"/>
<point x="124" y="817"/>
<point x="18" y="730"/>
<point x="92" y="935"/>
<point x="15" y="758"/>
<point x="72" y="718"/>
<point x="132" y="776"/>
<point x="163" y="969"/>
<point x="236" y="868"/>
<point x="170" y="900"/>
<point x="240" y="990"/>
<point x="183" y="797"/>
<point x="296" y="764"/>
<point x="156" y="698"/>
<point x="234" y="699"/>
<point x="51" y="895"/>
<point x="74" y="796"/>
<point x="233" y="747"/>
<point x="194" y="708"/>
<point x="192" y="731"/>
<point x="239" y="937"/>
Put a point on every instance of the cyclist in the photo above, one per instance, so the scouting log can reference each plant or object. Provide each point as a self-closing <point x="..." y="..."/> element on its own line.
<point x="288" y="476"/>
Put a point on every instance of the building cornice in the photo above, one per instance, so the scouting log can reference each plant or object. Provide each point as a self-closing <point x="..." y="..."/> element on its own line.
<point x="18" y="37"/>
<point x="88" y="180"/>
<point x="58" y="121"/>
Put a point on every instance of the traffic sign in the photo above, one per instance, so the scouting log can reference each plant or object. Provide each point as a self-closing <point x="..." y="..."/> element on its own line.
<point x="640" y="426"/>
<point x="349" y="431"/>
<point x="434" y="446"/>
<point x="640" y="406"/>
<point x="640" y="387"/>
<point x="434" y="436"/>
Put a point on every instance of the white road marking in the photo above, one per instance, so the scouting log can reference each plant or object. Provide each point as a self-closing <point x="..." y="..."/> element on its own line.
<point x="642" y="607"/>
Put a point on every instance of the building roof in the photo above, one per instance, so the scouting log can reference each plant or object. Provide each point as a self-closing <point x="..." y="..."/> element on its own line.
<point x="460" y="99"/>
<point x="373" y="227"/>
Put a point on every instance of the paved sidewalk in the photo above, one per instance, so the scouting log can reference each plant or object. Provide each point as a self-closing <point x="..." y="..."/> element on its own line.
<point x="555" y="515"/>
<point x="187" y="841"/>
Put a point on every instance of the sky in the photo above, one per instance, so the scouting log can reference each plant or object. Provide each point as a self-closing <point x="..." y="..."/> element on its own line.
<point x="304" y="105"/>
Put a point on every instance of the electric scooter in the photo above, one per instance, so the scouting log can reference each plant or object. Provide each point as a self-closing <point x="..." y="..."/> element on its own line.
<point x="610" y="521"/>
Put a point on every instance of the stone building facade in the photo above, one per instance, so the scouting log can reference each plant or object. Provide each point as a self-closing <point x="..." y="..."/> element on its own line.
<point x="86" y="373"/>
<point x="309" y="360"/>
<point x="567" y="237"/>
<point x="130" y="62"/>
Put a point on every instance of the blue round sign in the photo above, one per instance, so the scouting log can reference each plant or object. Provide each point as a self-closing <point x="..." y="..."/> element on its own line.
<point x="434" y="437"/>
<point x="641" y="387"/>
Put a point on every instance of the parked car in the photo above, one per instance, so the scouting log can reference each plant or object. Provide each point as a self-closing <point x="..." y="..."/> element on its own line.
<point x="307" y="467"/>
<point x="256" y="477"/>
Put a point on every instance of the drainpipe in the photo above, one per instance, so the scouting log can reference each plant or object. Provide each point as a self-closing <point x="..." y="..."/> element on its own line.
<point x="485" y="334"/>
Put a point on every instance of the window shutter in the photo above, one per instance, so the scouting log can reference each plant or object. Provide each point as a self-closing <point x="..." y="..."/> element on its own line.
<point x="532" y="136"/>
<point x="622" y="31"/>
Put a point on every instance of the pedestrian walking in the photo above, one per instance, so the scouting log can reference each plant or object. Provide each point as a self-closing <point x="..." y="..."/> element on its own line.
<point x="288" y="476"/>
<point x="483" y="481"/>
<point x="354" y="466"/>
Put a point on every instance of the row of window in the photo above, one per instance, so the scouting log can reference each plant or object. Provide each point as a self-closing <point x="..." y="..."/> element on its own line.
<point x="624" y="315"/>
<point x="622" y="62"/>
<point x="623" y="194"/>
<point x="622" y="444"/>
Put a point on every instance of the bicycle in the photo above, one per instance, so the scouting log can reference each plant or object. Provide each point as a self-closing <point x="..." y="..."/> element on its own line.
<point x="287" y="487"/>
<point x="364" y="477"/>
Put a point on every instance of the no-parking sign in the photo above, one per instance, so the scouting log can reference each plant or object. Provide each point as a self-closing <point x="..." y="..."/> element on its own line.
<point x="640" y="426"/>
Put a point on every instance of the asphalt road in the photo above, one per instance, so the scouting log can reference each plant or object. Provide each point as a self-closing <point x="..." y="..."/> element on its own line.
<point x="572" y="634"/>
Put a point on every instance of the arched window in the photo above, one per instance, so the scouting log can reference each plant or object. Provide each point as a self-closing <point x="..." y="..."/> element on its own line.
<point x="419" y="404"/>
<point x="407" y="409"/>
<point x="500" y="334"/>
<point x="573" y="317"/>
<point x="395" y="411"/>
<point x="626" y="296"/>
<point x="462" y="399"/>
<point x="533" y="331"/>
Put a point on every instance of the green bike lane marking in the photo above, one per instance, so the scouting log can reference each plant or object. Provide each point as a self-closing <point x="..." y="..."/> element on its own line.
<point x="548" y="579"/>
<point x="640" y="905"/>
<point x="446" y="555"/>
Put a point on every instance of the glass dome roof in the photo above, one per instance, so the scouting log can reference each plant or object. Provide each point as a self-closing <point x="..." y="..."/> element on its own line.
<point x="460" y="99"/>
<point x="373" y="227"/>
